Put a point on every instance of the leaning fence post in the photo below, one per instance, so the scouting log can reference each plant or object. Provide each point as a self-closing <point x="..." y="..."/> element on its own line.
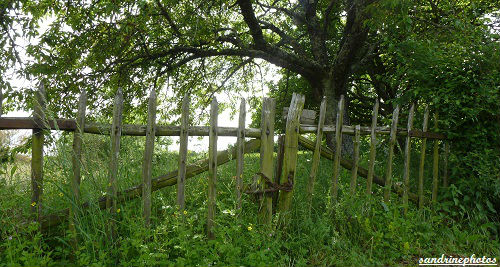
<point x="212" y="168"/>
<point x="148" y="158"/>
<point x="77" y="159"/>
<point x="39" y="106"/>
<point x="406" y="176"/>
<point x="338" y="150"/>
<point x="183" y="147"/>
<point x="435" y="165"/>
<point x="116" y="131"/>
<point x="317" y="153"/>
<point x="422" y="161"/>
<point x="290" y="156"/>
<point x="278" y="169"/>
<point x="354" y="171"/>
<point x="373" y="147"/>
<point x="392" y="141"/>
<point x="266" y="157"/>
<point x="240" y="156"/>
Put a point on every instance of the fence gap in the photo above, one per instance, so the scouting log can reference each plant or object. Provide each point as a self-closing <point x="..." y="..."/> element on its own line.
<point x="39" y="106"/>
<point x="148" y="158"/>
<point x="422" y="161"/>
<point x="212" y="168"/>
<point x="278" y="169"/>
<point x="354" y="171"/>
<point x="183" y="148"/>
<point x="406" y="176"/>
<point x="373" y="147"/>
<point x="240" y="156"/>
<point x="445" y="163"/>
<point x="290" y="156"/>
<point x="316" y="154"/>
<point x="266" y="158"/>
<point x="116" y="131"/>
<point x="435" y="165"/>
<point x="338" y="150"/>
<point x="392" y="141"/>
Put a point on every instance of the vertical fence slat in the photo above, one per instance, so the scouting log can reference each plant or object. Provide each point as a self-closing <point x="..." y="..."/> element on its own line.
<point x="290" y="155"/>
<point x="445" y="163"/>
<point x="148" y="158"/>
<point x="1" y="102"/>
<point x="240" y="156"/>
<point x="76" y="160"/>
<point x="183" y="147"/>
<point x="422" y="161"/>
<point x="338" y="150"/>
<point x="406" y="176"/>
<point x="39" y="106"/>
<point x="392" y="141"/>
<point x="278" y="169"/>
<point x="435" y="164"/>
<point x="317" y="153"/>
<point x="354" y="171"/>
<point x="116" y="131"/>
<point x="373" y="151"/>
<point x="212" y="168"/>
<point x="266" y="157"/>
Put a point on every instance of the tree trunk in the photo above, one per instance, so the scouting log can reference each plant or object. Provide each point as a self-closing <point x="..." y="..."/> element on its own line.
<point x="332" y="98"/>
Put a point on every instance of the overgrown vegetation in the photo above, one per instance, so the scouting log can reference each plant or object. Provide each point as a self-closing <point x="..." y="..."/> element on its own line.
<point x="360" y="231"/>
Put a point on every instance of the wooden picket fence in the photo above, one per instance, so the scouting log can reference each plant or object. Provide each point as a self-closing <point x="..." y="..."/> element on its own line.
<point x="275" y="188"/>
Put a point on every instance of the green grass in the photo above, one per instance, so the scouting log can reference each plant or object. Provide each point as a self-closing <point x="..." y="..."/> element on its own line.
<point x="357" y="231"/>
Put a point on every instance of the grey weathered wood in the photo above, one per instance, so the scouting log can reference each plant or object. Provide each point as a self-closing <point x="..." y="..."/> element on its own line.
<point x="307" y="116"/>
<point x="290" y="156"/>
<point x="392" y="141"/>
<point x="266" y="157"/>
<point x="317" y="153"/>
<point x="338" y="149"/>
<point x="183" y="147"/>
<point x="384" y="130"/>
<point x="148" y="159"/>
<point x="76" y="160"/>
<point x="240" y="156"/>
<point x="435" y="164"/>
<point x="445" y="163"/>
<point x="113" y="163"/>
<point x="422" y="161"/>
<point x="406" y="176"/>
<point x="212" y="171"/>
<point x="159" y="182"/>
<point x="39" y="106"/>
<point x="373" y="151"/>
<point x="354" y="170"/>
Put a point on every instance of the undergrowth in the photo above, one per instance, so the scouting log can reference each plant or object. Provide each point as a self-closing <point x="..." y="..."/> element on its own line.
<point x="357" y="230"/>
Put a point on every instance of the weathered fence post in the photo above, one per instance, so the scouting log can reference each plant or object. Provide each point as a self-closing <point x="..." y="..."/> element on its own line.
<point x="183" y="147"/>
<point x="240" y="156"/>
<point x="406" y="176"/>
<point x="148" y="158"/>
<point x="354" y="171"/>
<point x="37" y="152"/>
<point x="77" y="160"/>
<point x="266" y="157"/>
<point x="290" y="156"/>
<point x="435" y="165"/>
<point x="212" y="168"/>
<point x="392" y="141"/>
<point x="317" y="153"/>
<point x="116" y="131"/>
<point x="338" y="150"/>
<point x="422" y="161"/>
<point x="373" y="147"/>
